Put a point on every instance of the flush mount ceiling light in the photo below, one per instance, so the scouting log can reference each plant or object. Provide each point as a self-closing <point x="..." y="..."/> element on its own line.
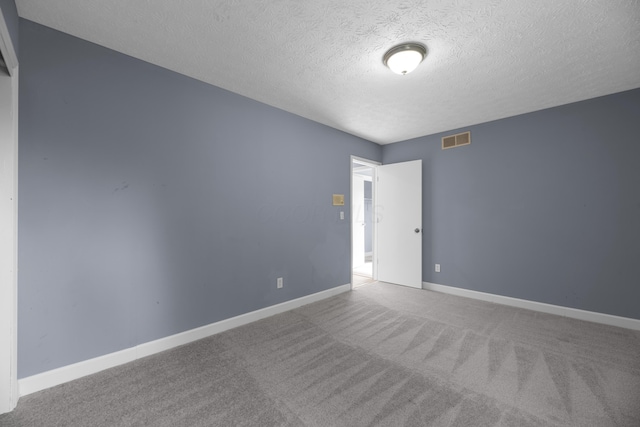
<point x="404" y="58"/>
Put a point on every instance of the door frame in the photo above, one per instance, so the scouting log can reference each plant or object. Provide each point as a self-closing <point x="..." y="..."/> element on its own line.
<point x="373" y="164"/>
<point x="8" y="224"/>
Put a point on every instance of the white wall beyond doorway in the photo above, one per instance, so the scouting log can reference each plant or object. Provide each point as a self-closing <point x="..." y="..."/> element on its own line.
<point x="8" y="222"/>
<point x="357" y="223"/>
<point x="362" y="224"/>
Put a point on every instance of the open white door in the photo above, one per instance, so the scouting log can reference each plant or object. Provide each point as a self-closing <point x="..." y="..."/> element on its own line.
<point x="399" y="222"/>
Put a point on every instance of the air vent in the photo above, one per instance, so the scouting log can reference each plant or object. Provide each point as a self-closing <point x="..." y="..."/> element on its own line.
<point x="456" y="140"/>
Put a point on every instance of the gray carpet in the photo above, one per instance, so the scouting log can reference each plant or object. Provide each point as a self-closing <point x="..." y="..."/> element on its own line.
<point x="380" y="355"/>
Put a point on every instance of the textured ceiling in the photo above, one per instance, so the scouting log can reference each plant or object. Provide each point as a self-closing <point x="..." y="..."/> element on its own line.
<point x="322" y="59"/>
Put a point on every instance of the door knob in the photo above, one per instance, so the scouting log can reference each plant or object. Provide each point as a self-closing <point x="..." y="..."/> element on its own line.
<point x="417" y="230"/>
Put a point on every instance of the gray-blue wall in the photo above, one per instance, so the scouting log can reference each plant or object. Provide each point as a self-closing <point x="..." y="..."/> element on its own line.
<point x="152" y="203"/>
<point x="10" y="13"/>
<point x="543" y="206"/>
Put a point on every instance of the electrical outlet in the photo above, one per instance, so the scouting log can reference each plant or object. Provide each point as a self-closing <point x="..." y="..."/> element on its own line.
<point x="437" y="268"/>
<point x="279" y="282"/>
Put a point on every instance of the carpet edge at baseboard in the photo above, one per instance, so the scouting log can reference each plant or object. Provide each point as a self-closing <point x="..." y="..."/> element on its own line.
<point x="77" y="370"/>
<point x="574" y="313"/>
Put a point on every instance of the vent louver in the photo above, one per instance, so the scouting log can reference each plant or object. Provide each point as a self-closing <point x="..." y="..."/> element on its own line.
<point x="456" y="140"/>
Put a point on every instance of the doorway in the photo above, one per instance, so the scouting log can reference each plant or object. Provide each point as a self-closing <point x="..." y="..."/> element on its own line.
<point x="386" y="223"/>
<point x="362" y="222"/>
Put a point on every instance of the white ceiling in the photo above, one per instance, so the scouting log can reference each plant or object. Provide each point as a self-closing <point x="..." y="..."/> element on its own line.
<point x="322" y="59"/>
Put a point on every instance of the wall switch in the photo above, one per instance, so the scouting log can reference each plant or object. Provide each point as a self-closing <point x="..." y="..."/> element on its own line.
<point x="437" y="268"/>
<point x="279" y="282"/>
<point x="341" y="214"/>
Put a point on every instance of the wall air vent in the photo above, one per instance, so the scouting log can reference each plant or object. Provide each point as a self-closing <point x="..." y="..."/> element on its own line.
<point x="456" y="140"/>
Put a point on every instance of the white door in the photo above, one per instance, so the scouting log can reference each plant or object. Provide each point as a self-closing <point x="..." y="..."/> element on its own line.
<point x="357" y="215"/>
<point x="399" y="222"/>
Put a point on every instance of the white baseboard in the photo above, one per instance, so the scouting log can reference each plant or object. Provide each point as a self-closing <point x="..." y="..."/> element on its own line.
<point x="68" y="373"/>
<point x="574" y="313"/>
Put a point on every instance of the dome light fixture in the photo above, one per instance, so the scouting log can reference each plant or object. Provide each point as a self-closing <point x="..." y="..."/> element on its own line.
<point x="404" y="58"/>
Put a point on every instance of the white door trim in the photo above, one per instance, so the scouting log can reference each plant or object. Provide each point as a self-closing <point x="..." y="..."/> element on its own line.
<point x="8" y="223"/>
